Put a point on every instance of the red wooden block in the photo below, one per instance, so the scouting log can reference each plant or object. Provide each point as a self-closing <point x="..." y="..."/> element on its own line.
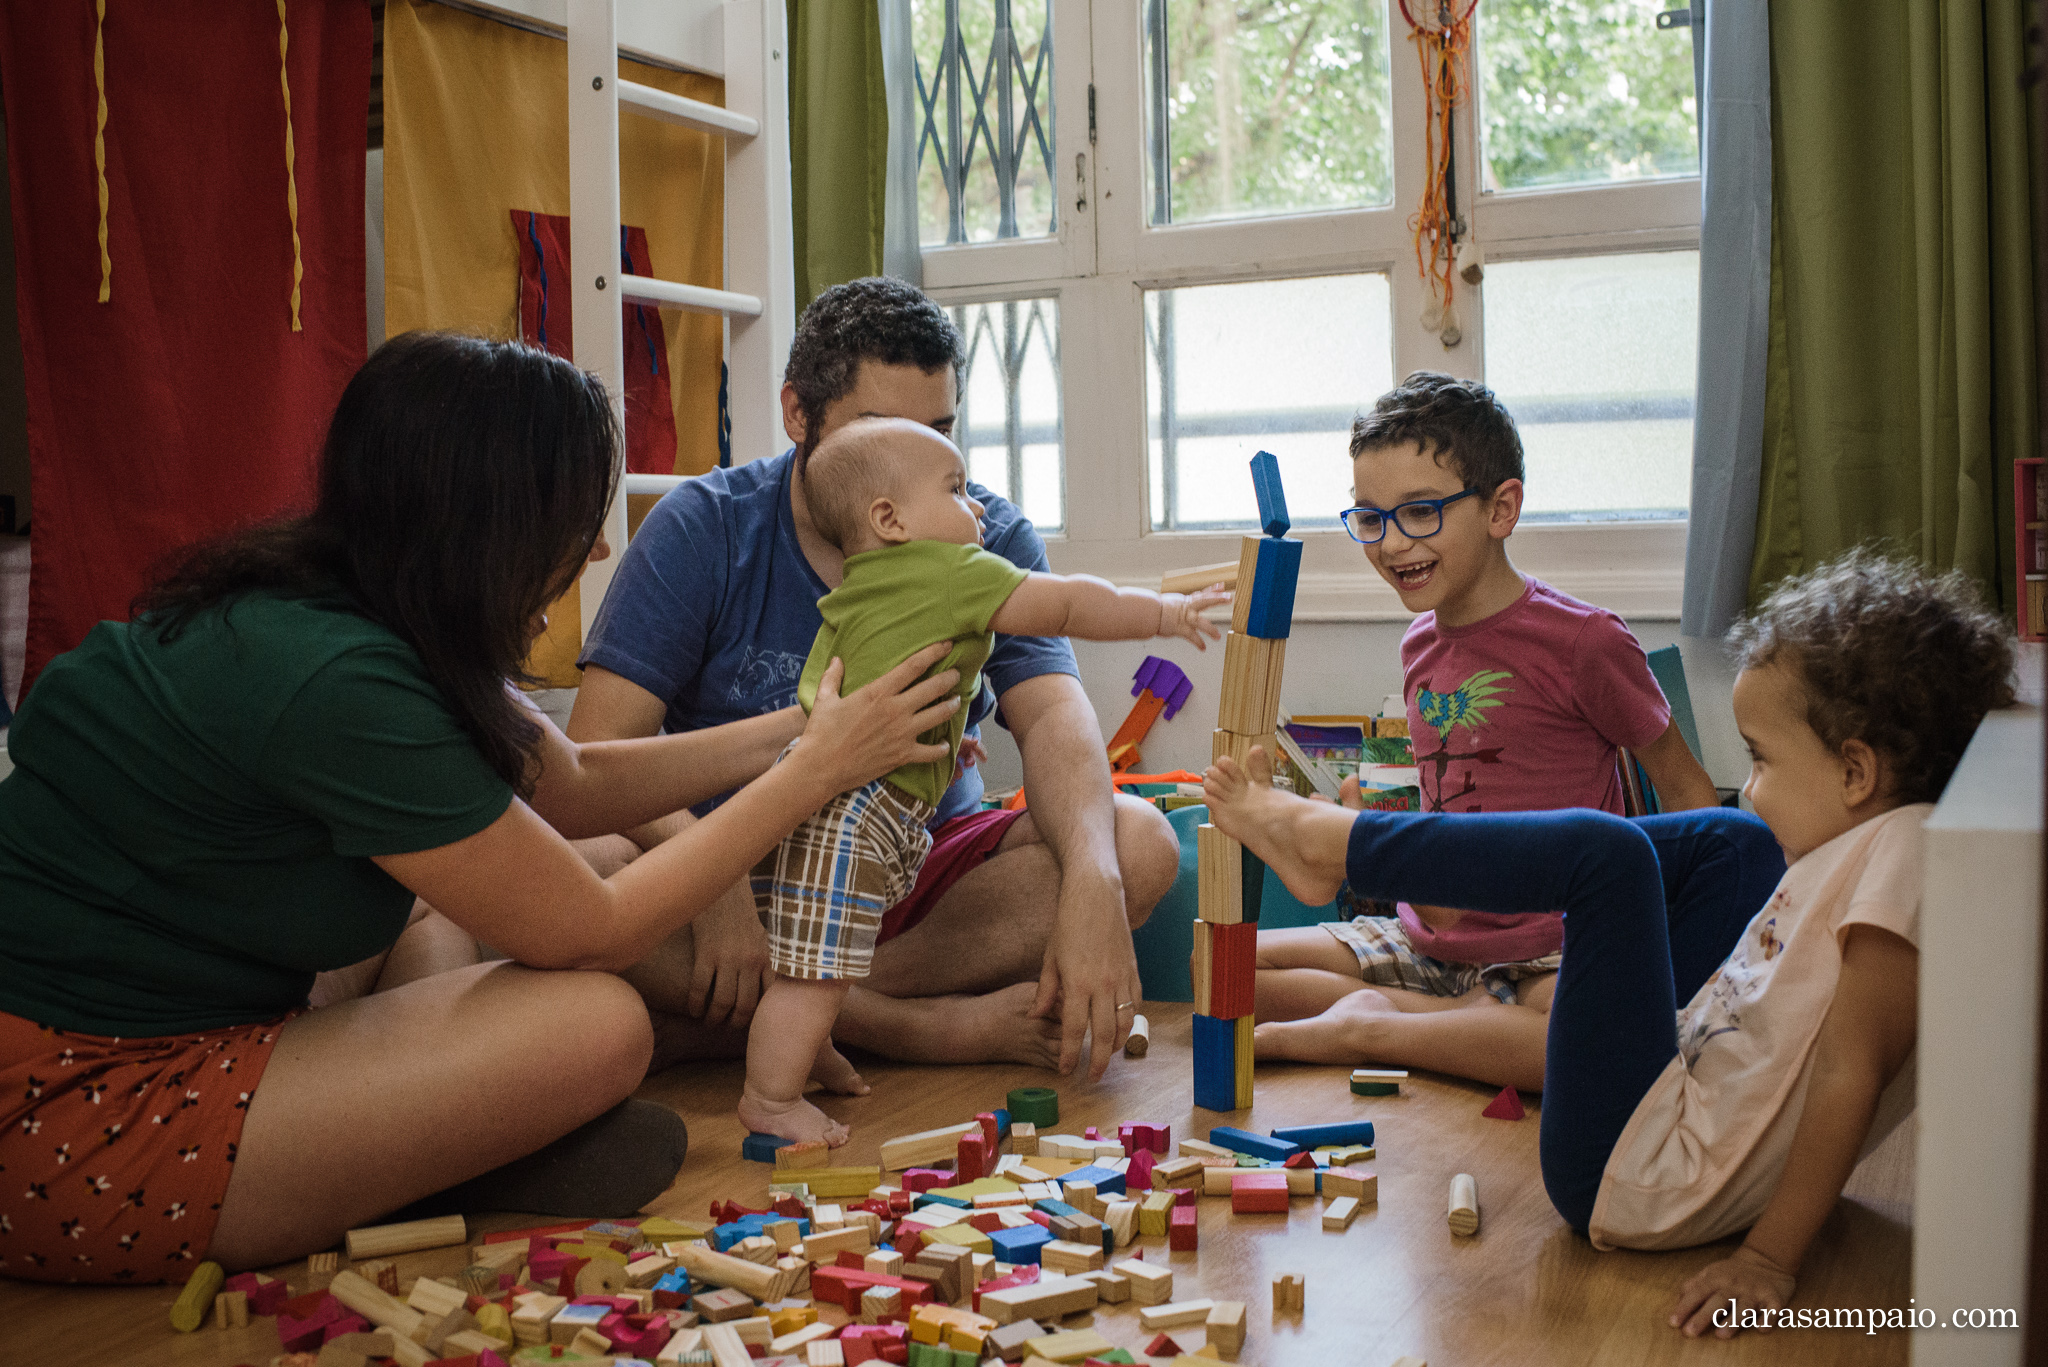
<point x="987" y="1121"/>
<point x="1023" y="1276"/>
<point x="1180" y="1231"/>
<point x="842" y="1286"/>
<point x="1233" y="965"/>
<point x="538" y="1232"/>
<point x="848" y="1258"/>
<point x="924" y="1179"/>
<point x="1162" y="1347"/>
<point x="987" y="1221"/>
<point x="1138" y="1177"/>
<point x="1506" y="1106"/>
<point x="352" y="1324"/>
<point x="1183" y="1196"/>
<point x="1091" y="1133"/>
<point x="1300" y="1160"/>
<point x="1256" y="1191"/>
<point x="860" y="1350"/>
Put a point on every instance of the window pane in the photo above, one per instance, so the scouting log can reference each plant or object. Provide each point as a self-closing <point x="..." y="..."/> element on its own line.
<point x="1595" y="357"/>
<point x="985" y="139"/>
<point x="1009" y="424"/>
<point x="1274" y="365"/>
<point x="1584" y="91"/>
<point x="1278" y="109"/>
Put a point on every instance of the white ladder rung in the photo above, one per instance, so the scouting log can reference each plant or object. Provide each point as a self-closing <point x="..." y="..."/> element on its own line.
<point x="643" y="289"/>
<point x="706" y="118"/>
<point x="652" y="484"/>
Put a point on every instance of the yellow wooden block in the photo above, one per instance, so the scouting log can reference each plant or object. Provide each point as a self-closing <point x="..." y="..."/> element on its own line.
<point x="1252" y="671"/>
<point x="832" y="1183"/>
<point x="1244" y="1071"/>
<point x="1071" y="1346"/>
<point x="1219" y="862"/>
<point x="965" y="1235"/>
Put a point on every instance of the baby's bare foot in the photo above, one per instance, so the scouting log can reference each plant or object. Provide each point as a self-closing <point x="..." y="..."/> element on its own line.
<point x="831" y="1071"/>
<point x="1345" y="1033"/>
<point x="797" y="1121"/>
<point x="1278" y="827"/>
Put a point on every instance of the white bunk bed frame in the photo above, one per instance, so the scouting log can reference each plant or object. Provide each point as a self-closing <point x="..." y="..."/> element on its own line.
<point x="742" y="41"/>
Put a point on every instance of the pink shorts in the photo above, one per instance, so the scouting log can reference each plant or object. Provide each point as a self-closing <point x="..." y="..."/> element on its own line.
<point x="958" y="847"/>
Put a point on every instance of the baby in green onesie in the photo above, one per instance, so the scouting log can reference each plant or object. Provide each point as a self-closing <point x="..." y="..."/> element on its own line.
<point x="892" y="496"/>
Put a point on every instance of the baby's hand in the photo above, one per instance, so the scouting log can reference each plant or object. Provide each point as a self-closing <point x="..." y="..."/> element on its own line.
<point x="1745" y="1277"/>
<point x="972" y="752"/>
<point x="1180" y="614"/>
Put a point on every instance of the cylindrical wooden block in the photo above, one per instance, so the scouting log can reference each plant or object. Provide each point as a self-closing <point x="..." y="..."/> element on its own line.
<point x="1464" y="1204"/>
<point x="1140" y="1038"/>
<point x="385" y="1241"/>
<point x="375" y="1305"/>
<point x="189" y="1311"/>
<point x="722" y="1269"/>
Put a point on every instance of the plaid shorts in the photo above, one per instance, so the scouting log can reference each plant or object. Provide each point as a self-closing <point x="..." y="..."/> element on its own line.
<point x="1386" y="958"/>
<point x="822" y="892"/>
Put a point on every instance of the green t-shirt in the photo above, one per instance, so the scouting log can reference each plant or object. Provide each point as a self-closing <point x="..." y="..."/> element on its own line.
<point x="893" y="603"/>
<point x="185" y="839"/>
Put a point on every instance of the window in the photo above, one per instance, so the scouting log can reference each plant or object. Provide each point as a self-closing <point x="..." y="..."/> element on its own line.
<point x="1177" y="232"/>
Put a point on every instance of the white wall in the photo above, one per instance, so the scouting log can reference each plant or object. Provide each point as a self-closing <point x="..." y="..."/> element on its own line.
<point x="1339" y="667"/>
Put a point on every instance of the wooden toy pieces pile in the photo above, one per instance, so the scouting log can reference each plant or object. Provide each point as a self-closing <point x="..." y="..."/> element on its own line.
<point x="1254" y="657"/>
<point x="938" y="1268"/>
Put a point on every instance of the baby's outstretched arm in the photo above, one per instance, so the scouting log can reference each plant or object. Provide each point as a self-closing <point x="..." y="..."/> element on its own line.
<point x="1097" y="610"/>
<point x="1868" y="1033"/>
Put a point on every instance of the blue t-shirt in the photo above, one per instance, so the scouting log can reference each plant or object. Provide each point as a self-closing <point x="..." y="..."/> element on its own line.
<point x="714" y="607"/>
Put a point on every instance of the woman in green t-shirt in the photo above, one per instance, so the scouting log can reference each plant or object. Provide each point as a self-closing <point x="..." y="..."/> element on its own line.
<point x="224" y="810"/>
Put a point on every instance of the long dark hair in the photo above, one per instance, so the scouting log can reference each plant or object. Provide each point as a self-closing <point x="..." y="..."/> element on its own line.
<point x="462" y="483"/>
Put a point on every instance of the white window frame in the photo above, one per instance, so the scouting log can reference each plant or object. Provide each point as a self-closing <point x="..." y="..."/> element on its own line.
<point x="1106" y="257"/>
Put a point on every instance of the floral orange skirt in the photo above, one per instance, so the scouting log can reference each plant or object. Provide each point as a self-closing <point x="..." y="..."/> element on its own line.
<point x="115" y="1153"/>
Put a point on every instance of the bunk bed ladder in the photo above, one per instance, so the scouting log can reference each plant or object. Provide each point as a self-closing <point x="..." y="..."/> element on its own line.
<point x="760" y="314"/>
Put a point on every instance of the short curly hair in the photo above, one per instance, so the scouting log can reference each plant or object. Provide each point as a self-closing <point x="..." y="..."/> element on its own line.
<point x="1890" y="654"/>
<point x="1458" y="422"/>
<point x="871" y="319"/>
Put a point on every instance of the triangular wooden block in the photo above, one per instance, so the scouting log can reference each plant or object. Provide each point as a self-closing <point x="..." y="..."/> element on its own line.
<point x="1506" y="1106"/>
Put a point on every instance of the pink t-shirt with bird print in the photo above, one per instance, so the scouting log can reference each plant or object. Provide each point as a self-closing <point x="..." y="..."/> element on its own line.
<point x="1523" y="711"/>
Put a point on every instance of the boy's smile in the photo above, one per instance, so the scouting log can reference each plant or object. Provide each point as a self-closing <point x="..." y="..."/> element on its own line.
<point x="1461" y="572"/>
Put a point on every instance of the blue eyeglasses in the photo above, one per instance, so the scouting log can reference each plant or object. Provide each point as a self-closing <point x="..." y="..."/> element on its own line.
<point x="1420" y="518"/>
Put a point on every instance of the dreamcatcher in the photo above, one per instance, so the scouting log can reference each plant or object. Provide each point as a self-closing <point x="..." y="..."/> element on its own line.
<point x="1443" y="251"/>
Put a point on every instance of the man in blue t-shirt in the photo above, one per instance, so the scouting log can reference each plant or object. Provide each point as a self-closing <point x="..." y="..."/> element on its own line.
<point x="1016" y="942"/>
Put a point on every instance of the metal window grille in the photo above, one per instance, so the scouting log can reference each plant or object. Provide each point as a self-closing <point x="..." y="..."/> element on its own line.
<point x="957" y="120"/>
<point x="1003" y="334"/>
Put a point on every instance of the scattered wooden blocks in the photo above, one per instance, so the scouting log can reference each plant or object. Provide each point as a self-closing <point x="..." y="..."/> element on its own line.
<point x="1287" y="1294"/>
<point x="1464" y="1205"/>
<point x="1338" y="1215"/>
<point x="1150" y="1285"/>
<point x="1045" y="1299"/>
<point x="1226" y="1328"/>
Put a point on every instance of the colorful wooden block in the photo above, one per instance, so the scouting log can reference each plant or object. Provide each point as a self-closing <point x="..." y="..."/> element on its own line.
<point x="1257" y="1145"/>
<point x="761" y="1148"/>
<point x="1271" y="494"/>
<point x="1266" y="608"/>
<point x="1253" y="667"/>
<point x="1377" y="1081"/>
<point x="1182" y="1235"/>
<point x="1258" y="1191"/>
<point x="1506" y="1106"/>
<point x="1020" y="1245"/>
<point x="1104" y="1180"/>
<point x="1224" y="968"/>
<point x="1215" y="1064"/>
<point x="1316" y="1136"/>
<point x="1219" y="863"/>
<point x="1241" y="1045"/>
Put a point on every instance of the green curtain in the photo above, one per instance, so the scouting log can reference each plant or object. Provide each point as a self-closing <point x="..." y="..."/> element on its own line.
<point x="838" y="142"/>
<point x="1900" y="383"/>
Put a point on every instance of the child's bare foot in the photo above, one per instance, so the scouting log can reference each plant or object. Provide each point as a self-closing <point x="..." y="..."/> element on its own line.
<point x="1302" y="841"/>
<point x="1345" y="1033"/>
<point x="797" y="1121"/>
<point x="831" y="1071"/>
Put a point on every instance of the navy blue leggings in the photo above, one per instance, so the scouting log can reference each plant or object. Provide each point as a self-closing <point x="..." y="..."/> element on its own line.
<point x="1652" y="906"/>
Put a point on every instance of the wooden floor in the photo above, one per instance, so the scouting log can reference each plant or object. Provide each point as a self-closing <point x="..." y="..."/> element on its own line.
<point x="1524" y="1291"/>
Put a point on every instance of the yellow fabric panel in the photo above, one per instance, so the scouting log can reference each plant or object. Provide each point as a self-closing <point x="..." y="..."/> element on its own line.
<point x="475" y="126"/>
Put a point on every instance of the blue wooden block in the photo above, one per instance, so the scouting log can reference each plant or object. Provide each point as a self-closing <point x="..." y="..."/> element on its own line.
<point x="760" y="1148"/>
<point x="747" y="1226"/>
<point x="1059" y="1210"/>
<point x="1257" y="1145"/>
<point x="932" y="1198"/>
<point x="1002" y="1124"/>
<point x="1215" y="1063"/>
<point x="1019" y="1245"/>
<point x="1108" y="1181"/>
<point x="1272" y="498"/>
<point x="1271" y="611"/>
<point x="677" y="1281"/>
<point x="1317" y="1136"/>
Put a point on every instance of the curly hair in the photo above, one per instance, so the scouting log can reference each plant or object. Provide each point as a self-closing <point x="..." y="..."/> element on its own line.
<point x="871" y="319"/>
<point x="1890" y="654"/>
<point x="1459" y="422"/>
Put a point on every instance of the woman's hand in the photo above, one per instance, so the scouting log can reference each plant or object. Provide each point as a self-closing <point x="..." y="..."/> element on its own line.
<point x="1744" y="1280"/>
<point x="873" y="731"/>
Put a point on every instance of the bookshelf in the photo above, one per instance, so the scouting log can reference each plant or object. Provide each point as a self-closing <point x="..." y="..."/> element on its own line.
<point x="2030" y="539"/>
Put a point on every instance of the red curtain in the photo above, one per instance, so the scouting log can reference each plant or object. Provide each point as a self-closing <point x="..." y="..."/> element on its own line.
<point x="544" y="321"/>
<point x="185" y="405"/>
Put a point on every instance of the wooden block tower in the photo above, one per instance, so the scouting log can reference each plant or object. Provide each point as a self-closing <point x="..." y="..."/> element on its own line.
<point x="1254" y="653"/>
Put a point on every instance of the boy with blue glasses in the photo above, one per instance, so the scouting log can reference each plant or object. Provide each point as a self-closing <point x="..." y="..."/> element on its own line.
<point x="1519" y="698"/>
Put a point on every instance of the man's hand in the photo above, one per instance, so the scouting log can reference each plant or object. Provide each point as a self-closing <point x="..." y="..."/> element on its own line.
<point x="1746" y="1277"/>
<point x="729" y="971"/>
<point x="1090" y="978"/>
